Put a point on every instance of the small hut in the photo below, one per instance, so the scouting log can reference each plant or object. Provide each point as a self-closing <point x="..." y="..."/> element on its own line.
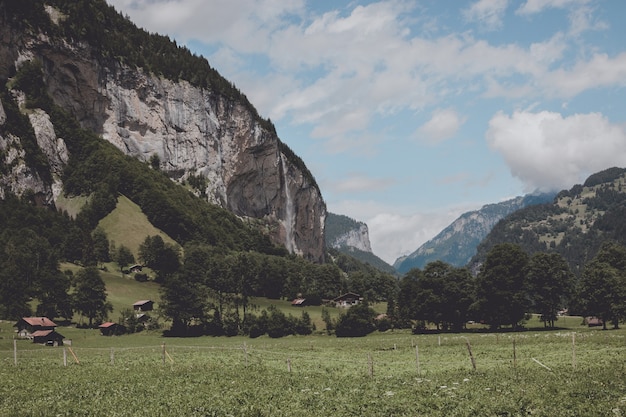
<point x="111" y="329"/>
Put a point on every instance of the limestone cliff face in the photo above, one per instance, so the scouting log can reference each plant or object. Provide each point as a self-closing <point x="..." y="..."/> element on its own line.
<point x="193" y="131"/>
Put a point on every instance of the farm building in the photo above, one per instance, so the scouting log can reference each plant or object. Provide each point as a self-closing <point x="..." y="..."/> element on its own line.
<point x="347" y="300"/>
<point x="143" y="305"/>
<point x="26" y="326"/>
<point x="111" y="329"/>
<point x="48" y="337"/>
<point x="298" y="302"/>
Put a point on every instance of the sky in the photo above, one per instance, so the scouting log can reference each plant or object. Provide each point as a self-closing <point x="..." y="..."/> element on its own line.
<point x="410" y="113"/>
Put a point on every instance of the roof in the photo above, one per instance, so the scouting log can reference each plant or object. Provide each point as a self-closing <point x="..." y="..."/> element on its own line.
<point x="347" y="295"/>
<point x="298" y="301"/>
<point x="107" y="325"/>
<point x="45" y="333"/>
<point x="39" y="321"/>
<point x="142" y="302"/>
<point x="41" y="333"/>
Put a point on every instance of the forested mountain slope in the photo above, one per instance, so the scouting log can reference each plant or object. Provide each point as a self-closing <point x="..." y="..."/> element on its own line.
<point x="575" y="225"/>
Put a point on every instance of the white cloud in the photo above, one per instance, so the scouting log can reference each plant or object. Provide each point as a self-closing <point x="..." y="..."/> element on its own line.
<point x="397" y="231"/>
<point x="443" y="125"/>
<point x="538" y="6"/>
<point x="547" y="151"/>
<point x="359" y="183"/>
<point x="488" y="13"/>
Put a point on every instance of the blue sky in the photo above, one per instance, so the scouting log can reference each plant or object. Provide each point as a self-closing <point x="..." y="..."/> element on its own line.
<point x="409" y="113"/>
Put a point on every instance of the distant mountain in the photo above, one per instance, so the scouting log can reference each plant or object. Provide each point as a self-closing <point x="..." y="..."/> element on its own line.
<point x="351" y="237"/>
<point x="575" y="225"/>
<point x="457" y="243"/>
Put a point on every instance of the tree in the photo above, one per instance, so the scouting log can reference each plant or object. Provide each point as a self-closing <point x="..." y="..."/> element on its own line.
<point x="160" y="256"/>
<point x="100" y="245"/>
<point x="124" y="257"/>
<point x="501" y="292"/>
<point x="603" y="285"/>
<point x="549" y="282"/>
<point x="184" y="301"/>
<point x="358" y="321"/>
<point x="90" y="297"/>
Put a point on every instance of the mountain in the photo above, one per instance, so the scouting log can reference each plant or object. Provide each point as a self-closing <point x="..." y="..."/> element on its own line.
<point x="351" y="238"/>
<point x="80" y="62"/>
<point x="457" y="243"/>
<point x="575" y="225"/>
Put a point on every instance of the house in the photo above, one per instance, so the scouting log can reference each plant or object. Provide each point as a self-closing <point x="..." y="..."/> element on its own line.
<point x="47" y="337"/>
<point x="143" y="305"/>
<point x="593" y="321"/>
<point x="298" y="302"/>
<point x="347" y="300"/>
<point x="135" y="268"/>
<point x="26" y="326"/>
<point x="111" y="329"/>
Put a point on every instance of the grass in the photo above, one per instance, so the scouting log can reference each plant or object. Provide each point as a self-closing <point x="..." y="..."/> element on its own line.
<point x="319" y="375"/>
<point x="127" y="225"/>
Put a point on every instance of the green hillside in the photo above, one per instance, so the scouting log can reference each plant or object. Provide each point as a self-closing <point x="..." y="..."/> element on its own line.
<point x="127" y="225"/>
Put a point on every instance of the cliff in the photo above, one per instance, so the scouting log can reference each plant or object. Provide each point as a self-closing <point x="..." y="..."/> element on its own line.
<point x="190" y="130"/>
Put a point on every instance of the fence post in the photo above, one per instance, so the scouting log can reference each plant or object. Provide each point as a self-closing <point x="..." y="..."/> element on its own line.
<point x="469" y="349"/>
<point x="15" y="352"/>
<point x="112" y="357"/>
<point x="370" y="364"/>
<point x="163" y="353"/>
<point x="289" y="365"/>
<point x="65" y="357"/>
<point x="417" y="360"/>
<point x="574" y="350"/>
<point x="514" y="355"/>
<point x="245" y="353"/>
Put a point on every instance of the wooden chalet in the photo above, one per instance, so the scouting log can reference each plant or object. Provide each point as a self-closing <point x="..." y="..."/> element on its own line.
<point x="348" y="299"/>
<point x="143" y="305"/>
<point x="26" y="326"/>
<point x="48" y="337"/>
<point x="111" y="329"/>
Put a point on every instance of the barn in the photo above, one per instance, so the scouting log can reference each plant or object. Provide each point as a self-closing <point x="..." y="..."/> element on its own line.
<point x="111" y="329"/>
<point x="48" y="337"/>
<point x="143" y="305"/>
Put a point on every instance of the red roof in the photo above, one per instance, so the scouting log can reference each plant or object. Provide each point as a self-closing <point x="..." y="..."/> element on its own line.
<point x="39" y="321"/>
<point x="41" y="333"/>
<point x="107" y="325"/>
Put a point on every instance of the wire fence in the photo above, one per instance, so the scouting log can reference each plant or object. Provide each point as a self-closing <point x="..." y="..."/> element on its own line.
<point x="414" y="355"/>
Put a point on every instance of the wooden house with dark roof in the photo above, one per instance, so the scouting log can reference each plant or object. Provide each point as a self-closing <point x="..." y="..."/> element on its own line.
<point x="111" y="329"/>
<point x="348" y="299"/>
<point x="143" y="306"/>
<point x="48" y="337"/>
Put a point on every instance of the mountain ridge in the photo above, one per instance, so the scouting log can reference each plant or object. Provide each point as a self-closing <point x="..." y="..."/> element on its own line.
<point x="457" y="243"/>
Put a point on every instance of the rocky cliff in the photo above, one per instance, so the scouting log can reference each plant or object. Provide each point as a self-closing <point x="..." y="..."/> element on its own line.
<point x="342" y="231"/>
<point x="190" y="130"/>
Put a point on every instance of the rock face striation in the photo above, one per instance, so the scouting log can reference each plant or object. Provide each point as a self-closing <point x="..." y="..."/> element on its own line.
<point x="192" y="131"/>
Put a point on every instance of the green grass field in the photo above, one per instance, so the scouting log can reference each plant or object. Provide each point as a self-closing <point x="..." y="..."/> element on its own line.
<point x="395" y="373"/>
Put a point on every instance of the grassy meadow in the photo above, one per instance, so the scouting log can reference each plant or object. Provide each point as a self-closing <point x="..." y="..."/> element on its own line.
<point x="568" y="372"/>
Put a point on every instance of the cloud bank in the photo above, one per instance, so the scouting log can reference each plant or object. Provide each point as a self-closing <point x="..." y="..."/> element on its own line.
<point x="547" y="151"/>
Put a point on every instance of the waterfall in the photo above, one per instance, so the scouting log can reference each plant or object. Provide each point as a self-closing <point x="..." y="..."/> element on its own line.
<point x="289" y="221"/>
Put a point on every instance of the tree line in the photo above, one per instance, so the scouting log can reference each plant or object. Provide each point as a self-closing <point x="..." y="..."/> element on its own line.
<point x="510" y="285"/>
